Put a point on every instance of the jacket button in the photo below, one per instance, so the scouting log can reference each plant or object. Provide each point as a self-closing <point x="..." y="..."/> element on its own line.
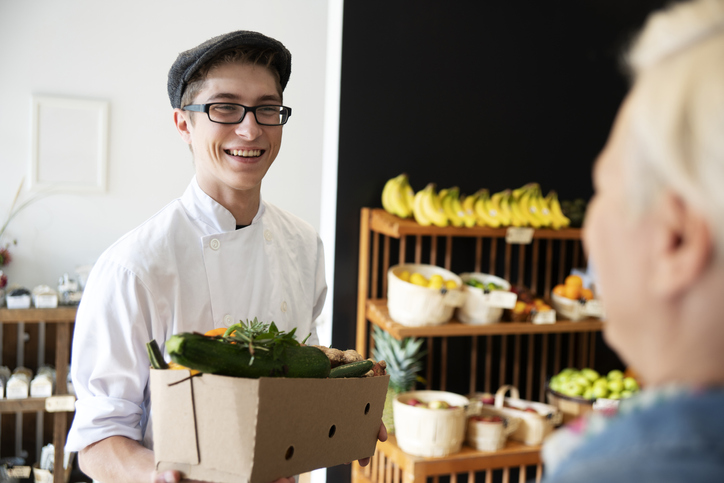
<point x="228" y="320"/>
<point x="215" y="244"/>
<point x="267" y="235"/>
<point x="284" y="306"/>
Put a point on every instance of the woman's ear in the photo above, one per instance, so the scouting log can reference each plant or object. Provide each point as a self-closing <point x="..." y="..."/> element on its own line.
<point x="683" y="245"/>
<point x="183" y="124"/>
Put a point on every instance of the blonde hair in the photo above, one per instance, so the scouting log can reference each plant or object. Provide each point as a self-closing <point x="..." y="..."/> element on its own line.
<point x="676" y="111"/>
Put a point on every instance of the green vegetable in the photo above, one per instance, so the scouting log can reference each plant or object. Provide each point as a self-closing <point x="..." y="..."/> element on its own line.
<point x="353" y="369"/>
<point x="154" y="355"/>
<point x="253" y="350"/>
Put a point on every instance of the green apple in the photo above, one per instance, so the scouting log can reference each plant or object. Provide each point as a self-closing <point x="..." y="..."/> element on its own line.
<point x="615" y="374"/>
<point x="614" y="395"/>
<point x="630" y="384"/>
<point x="572" y="388"/>
<point x="588" y="393"/>
<point x="438" y="405"/>
<point x="600" y="391"/>
<point x="590" y="374"/>
<point x="582" y="380"/>
<point x="601" y="381"/>
<point x="626" y="394"/>
<point x="615" y="385"/>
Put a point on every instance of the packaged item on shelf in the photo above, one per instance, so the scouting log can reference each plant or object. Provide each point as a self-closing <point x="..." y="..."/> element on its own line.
<point x="537" y="419"/>
<point x="44" y="468"/>
<point x="45" y="297"/>
<point x="69" y="290"/>
<point x="419" y="294"/>
<point x="18" y="298"/>
<point x="430" y="423"/>
<point x="489" y="429"/>
<point x="19" y="383"/>
<point x="486" y="297"/>
<point x="43" y="383"/>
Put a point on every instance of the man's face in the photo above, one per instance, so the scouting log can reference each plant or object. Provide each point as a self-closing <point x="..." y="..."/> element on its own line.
<point x="619" y="246"/>
<point x="219" y="171"/>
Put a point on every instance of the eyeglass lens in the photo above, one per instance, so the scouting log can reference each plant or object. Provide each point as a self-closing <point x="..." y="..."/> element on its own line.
<point x="233" y="113"/>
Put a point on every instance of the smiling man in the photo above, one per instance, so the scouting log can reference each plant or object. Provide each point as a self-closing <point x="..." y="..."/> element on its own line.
<point x="217" y="255"/>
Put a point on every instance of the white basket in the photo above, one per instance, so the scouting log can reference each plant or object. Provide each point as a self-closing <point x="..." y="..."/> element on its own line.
<point x="490" y="436"/>
<point x="476" y="308"/>
<point x="413" y="305"/>
<point x="574" y="310"/>
<point x="534" y="426"/>
<point x="430" y="432"/>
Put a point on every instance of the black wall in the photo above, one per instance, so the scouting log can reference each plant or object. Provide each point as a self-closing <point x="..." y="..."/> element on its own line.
<point x="471" y="94"/>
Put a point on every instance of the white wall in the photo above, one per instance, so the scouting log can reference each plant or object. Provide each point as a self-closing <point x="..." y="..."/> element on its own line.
<point x="121" y="52"/>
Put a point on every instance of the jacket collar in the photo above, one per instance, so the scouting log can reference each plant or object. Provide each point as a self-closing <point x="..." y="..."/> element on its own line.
<point x="204" y="208"/>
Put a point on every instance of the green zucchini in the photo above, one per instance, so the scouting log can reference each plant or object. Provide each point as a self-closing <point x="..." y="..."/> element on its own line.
<point x="214" y="356"/>
<point x="353" y="369"/>
<point x="154" y="355"/>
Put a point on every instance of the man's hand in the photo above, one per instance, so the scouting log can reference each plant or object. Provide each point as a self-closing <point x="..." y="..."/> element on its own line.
<point x="173" y="476"/>
<point x="382" y="436"/>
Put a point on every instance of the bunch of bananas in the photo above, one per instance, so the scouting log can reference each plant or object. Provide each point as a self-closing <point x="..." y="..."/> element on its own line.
<point x="398" y="196"/>
<point x="524" y="206"/>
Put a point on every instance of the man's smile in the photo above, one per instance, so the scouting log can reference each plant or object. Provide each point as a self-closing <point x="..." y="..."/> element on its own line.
<point x="244" y="153"/>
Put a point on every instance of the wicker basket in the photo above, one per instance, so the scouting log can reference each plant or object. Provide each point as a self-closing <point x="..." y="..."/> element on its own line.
<point x="430" y="432"/>
<point x="412" y="305"/>
<point x="477" y="308"/>
<point x="490" y="436"/>
<point x="571" y="407"/>
<point x="576" y="310"/>
<point x="534" y="425"/>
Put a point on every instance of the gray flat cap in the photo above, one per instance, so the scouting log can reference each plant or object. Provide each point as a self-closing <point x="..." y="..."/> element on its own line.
<point x="188" y="62"/>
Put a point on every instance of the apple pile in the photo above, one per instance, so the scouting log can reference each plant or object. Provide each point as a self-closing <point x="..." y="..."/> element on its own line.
<point x="436" y="404"/>
<point x="589" y="384"/>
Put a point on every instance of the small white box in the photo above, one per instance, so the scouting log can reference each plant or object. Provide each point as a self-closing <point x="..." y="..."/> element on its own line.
<point x="18" y="301"/>
<point x="45" y="301"/>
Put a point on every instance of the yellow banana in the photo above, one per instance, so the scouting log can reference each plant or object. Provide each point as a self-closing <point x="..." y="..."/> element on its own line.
<point x="432" y="207"/>
<point x="386" y="203"/>
<point x="541" y="205"/>
<point x="393" y="199"/>
<point x="404" y="197"/>
<point x="417" y="210"/>
<point x="486" y="216"/>
<point x="504" y="206"/>
<point x="468" y="204"/>
<point x="517" y="218"/>
<point x="559" y="220"/>
<point x="450" y="200"/>
<point x="528" y="209"/>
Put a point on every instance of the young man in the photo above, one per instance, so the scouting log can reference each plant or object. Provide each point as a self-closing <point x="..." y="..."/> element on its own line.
<point x="655" y="231"/>
<point x="215" y="256"/>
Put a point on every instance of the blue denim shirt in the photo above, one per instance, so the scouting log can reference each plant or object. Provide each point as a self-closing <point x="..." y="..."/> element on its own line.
<point x="677" y="439"/>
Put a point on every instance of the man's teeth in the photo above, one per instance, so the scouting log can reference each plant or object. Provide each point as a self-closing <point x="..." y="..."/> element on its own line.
<point x="245" y="153"/>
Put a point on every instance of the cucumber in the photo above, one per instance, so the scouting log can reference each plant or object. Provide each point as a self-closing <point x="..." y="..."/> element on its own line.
<point x="154" y="355"/>
<point x="213" y="356"/>
<point x="353" y="369"/>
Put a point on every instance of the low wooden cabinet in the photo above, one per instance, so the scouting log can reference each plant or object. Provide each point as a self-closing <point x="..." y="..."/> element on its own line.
<point x="62" y="319"/>
<point x="517" y="353"/>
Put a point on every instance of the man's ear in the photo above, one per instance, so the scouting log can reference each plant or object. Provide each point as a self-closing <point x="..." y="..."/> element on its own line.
<point x="183" y="124"/>
<point x="683" y="245"/>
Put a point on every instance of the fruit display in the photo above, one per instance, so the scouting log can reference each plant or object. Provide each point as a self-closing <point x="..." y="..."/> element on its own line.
<point x="435" y="282"/>
<point x="574" y="301"/>
<point x="486" y="287"/>
<point x="520" y="207"/>
<point x="529" y="307"/>
<point x="255" y="349"/>
<point x="573" y="289"/>
<point x="588" y="384"/>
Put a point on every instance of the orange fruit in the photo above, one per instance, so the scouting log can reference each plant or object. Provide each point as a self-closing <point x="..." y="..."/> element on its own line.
<point x="572" y="292"/>
<point x="216" y="332"/>
<point x="586" y="294"/>
<point x="560" y="290"/>
<point x="574" y="281"/>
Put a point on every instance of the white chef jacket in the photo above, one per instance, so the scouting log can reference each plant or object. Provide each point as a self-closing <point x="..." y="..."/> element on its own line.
<point x="185" y="269"/>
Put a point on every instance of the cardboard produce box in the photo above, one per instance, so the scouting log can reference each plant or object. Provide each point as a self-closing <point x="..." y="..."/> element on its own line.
<point x="228" y="429"/>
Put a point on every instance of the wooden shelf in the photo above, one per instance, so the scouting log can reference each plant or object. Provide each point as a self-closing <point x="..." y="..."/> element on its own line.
<point x="60" y="314"/>
<point x="378" y="314"/>
<point x="27" y="405"/>
<point x="395" y="227"/>
<point x="418" y="468"/>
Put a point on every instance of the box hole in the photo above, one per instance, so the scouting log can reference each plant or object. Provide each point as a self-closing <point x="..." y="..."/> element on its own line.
<point x="332" y="430"/>
<point x="367" y="408"/>
<point x="290" y="453"/>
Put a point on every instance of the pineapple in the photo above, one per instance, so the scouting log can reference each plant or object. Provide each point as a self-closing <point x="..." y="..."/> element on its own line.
<point x="403" y="364"/>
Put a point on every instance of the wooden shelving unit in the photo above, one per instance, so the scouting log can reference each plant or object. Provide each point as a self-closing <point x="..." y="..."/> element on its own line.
<point x="63" y="318"/>
<point x="524" y="350"/>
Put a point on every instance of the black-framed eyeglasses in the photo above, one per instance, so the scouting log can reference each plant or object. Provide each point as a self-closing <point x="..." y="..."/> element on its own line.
<point x="228" y="113"/>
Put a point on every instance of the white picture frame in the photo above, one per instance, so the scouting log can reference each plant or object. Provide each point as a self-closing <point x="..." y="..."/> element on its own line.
<point x="69" y="144"/>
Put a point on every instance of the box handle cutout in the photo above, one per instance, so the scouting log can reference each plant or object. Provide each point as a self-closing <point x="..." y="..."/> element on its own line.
<point x="332" y="430"/>
<point x="290" y="453"/>
<point x="367" y="409"/>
